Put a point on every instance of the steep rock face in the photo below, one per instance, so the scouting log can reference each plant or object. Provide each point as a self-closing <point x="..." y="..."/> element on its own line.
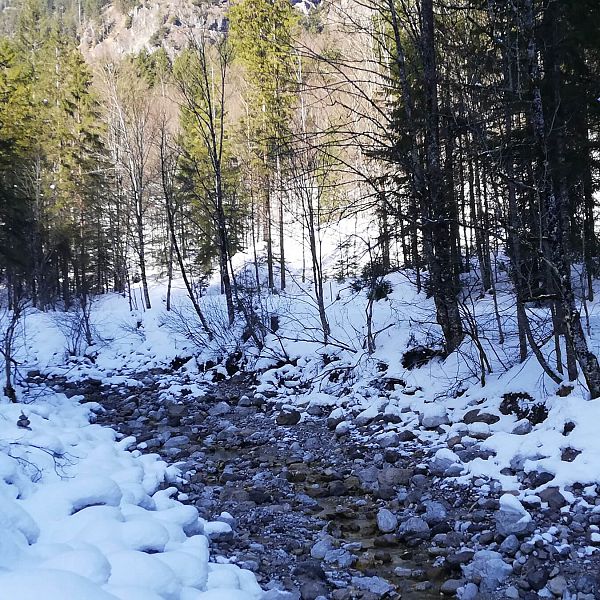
<point x="155" y="23"/>
<point x="150" y="25"/>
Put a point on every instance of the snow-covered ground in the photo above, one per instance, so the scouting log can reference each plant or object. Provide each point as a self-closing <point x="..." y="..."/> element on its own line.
<point x="81" y="516"/>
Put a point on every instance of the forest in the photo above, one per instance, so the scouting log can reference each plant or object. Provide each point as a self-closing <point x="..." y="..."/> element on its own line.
<point x="299" y="300"/>
<point x="465" y="134"/>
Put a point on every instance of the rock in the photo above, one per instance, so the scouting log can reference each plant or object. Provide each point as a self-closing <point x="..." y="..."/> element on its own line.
<point x="414" y="527"/>
<point x="177" y="441"/>
<point x="218" y="531"/>
<point x="341" y="557"/>
<point x="488" y="418"/>
<point x="475" y="416"/>
<point x="315" y="410"/>
<point x="387" y="439"/>
<point x="522" y="427"/>
<point x="443" y="460"/>
<point x="371" y="413"/>
<point x="537" y="578"/>
<point x="176" y="410"/>
<point x="470" y="416"/>
<point x="342" y="428"/>
<point x="433" y="416"/>
<point x="406" y="436"/>
<point x="337" y="488"/>
<point x="368" y="475"/>
<point x="510" y="545"/>
<point x="394" y="476"/>
<point x="386" y="521"/>
<point x="569" y="454"/>
<point x="557" y="585"/>
<point x="468" y="592"/>
<point x="309" y="569"/>
<point x="219" y="409"/>
<point x="512" y="593"/>
<point x="280" y="595"/>
<point x="585" y="584"/>
<point x="487" y="568"/>
<point x="376" y="585"/>
<point x="311" y="590"/>
<point x="435" y="513"/>
<point x="553" y="497"/>
<point x="336" y="416"/>
<point x="511" y="523"/>
<point x="288" y="416"/>
<point x="541" y="478"/>
<point x="450" y="586"/>
<point x="321" y="548"/>
<point x="479" y="430"/>
<point x="459" y="558"/>
<point x="512" y="518"/>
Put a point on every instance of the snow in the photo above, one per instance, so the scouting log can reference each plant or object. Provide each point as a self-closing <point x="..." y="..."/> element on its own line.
<point x="82" y="517"/>
<point x="81" y="513"/>
<point x="511" y="503"/>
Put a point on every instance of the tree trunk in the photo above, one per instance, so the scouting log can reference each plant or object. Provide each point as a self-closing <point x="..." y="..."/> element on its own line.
<point x="439" y="257"/>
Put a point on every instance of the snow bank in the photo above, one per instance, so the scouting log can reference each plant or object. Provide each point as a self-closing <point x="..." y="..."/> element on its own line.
<point x="83" y="518"/>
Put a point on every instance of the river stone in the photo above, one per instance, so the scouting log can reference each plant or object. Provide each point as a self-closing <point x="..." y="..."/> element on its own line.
<point x="336" y="416"/>
<point x="459" y="558"/>
<point x="537" y="578"/>
<point x="321" y="548"/>
<point x="443" y="460"/>
<point x="553" y="497"/>
<point x="468" y="592"/>
<point x="510" y="545"/>
<point x="450" y="586"/>
<point x="376" y="585"/>
<point x="487" y="568"/>
<point x="341" y="557"/>
<point x="414" y="527"/>
<point x="510" y="522"/>
<point x="311" y="590"/>
<point x="219" y="409"/>
<point x="176" y="411"/>
<point x="522" y="427"/>
<point x="406" y="435"/>
<point x="386" y="521"/>
<point x="433" y="416"/>
<point x="512" y="593"/>
<point x="342" y="428"/>
<point x="557" y="585"/>
<point x="387" y="439"/>
<point x="475" y="416"/>
<point x="288" y="417"/>
<point x="394" y="476"/>
<point x="368" y="475"/>
<point x="280" y="595"/>
<point x="435" y="513"/>
<point x="177" y="441"/>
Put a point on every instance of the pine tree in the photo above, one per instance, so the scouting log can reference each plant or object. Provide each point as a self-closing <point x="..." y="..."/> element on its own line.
<point x="262" y="35"/>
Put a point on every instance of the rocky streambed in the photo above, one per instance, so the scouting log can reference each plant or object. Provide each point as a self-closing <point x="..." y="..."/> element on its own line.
<point x="319" y="510"/>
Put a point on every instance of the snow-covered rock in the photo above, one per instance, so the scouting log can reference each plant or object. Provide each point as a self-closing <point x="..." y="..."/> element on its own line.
<point x="433" y="415"/>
